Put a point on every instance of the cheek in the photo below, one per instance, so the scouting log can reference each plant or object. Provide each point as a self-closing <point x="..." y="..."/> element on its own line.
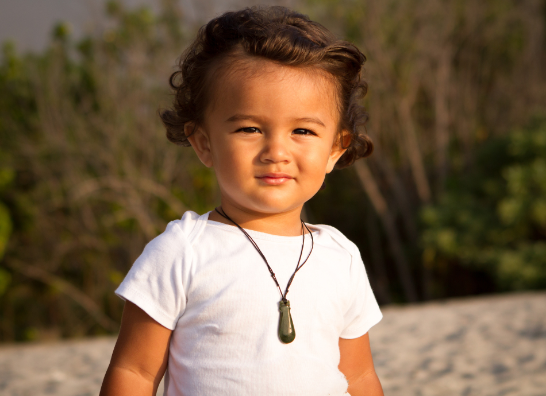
<point x="316" y="158"/>
<point x="233" y="164"/>
<point x="314" y="167"/>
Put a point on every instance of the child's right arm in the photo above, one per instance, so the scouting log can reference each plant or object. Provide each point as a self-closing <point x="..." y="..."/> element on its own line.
<point x="140" y="356"/>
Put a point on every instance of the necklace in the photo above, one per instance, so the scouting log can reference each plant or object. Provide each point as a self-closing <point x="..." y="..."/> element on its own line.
<point x="286" y="331"/>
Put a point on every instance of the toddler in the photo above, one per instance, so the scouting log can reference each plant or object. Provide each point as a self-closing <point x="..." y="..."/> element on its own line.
<point x="248" y="299"/>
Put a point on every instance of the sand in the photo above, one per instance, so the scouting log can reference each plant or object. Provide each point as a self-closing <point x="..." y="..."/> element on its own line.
<point x="477" y="346"/>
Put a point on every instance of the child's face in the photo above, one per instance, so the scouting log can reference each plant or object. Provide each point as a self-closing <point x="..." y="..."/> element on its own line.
<point x="269" y="133"/>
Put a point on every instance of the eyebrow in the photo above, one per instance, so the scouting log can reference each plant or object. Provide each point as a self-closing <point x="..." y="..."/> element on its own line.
<point x="242" y="117"/>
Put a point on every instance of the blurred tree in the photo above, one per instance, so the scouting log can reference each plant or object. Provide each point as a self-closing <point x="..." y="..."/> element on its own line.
<point x="495" y="217"/>
<point x="94" y="176"/>
<point x="443" y="76"/>
<point x="6" y="177"/>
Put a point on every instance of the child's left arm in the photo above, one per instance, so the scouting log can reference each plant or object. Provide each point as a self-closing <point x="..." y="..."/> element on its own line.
<point x="356" y="364"/>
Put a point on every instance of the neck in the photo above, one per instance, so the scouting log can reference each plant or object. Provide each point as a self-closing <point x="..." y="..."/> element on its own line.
<point x="284" y="224"/>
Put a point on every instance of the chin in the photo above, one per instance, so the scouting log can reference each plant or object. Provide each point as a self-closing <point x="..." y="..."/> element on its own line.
<point x="277" y="207"/>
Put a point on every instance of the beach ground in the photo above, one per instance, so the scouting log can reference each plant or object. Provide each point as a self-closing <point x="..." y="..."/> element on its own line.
<point x="480" y="346"/>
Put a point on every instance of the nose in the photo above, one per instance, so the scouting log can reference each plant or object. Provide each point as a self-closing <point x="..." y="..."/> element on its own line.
<point x="276" y="149"/>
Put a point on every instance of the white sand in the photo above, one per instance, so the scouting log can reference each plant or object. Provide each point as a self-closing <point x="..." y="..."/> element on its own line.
<point x="472" y="347"/>
<point x="479" y="346"/>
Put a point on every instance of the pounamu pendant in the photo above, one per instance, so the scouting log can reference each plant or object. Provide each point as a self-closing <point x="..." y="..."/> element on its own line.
<point x="287" y="333"/>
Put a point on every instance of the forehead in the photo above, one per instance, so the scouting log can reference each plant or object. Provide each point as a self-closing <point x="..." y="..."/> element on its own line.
<point x="260" y="84"/>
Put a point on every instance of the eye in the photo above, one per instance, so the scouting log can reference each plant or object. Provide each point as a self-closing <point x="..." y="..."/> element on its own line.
<point x="302" y="131"/>
<point x="248" y="130"/>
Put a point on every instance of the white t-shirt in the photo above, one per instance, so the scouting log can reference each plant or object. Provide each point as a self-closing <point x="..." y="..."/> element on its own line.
<point x="204" y="280"/>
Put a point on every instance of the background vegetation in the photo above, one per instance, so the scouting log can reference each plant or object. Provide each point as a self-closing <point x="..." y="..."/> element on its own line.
<point x="453" y="201"/>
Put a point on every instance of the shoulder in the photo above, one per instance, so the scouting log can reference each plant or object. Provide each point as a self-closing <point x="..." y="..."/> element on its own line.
<point x="337" y="238"/>
<point x="180" y="229"/>
<point x="176" y="238"/>
<point x="159" y="277"/>
<point x="170" y="253"/>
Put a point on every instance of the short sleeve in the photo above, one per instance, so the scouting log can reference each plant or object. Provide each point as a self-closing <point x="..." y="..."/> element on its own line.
<point x="363" y="312"/>
<point x="156" y="281"/>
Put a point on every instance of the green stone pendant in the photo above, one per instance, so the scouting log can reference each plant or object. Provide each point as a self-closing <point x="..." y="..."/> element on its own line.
<point x="287" y="333"/>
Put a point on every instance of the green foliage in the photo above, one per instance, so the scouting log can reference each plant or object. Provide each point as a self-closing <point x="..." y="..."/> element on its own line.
<point x="87" y="176"/>
<point x="6" y="177"/>
<point x="61" y="31"/>
<point x="494" y="218"/>
<point x="6" y="226"/>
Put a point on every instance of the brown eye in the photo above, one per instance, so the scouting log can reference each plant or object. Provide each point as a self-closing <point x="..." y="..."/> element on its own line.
<point x="303" y="132"/>
<point x="248" y="130"/>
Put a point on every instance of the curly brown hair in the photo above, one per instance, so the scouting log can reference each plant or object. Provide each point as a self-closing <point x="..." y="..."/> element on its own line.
<point x="282" y="36"/>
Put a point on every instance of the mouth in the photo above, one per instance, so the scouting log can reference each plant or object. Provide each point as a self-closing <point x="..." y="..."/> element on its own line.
<point x="274" y="179"/>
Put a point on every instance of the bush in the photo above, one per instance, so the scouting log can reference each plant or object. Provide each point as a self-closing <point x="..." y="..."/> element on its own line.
<point x="494" y="218"/>
<point x="94" y="177"/>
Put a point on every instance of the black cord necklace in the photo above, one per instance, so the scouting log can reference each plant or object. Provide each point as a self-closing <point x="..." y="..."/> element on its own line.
<point x="287" y="333"/>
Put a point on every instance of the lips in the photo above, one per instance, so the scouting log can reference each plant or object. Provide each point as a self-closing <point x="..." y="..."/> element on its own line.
<point x="275" y="178"/>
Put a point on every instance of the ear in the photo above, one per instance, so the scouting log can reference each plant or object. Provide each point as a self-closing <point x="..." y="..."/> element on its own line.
<point x="200" y="142"/>
<point x="337" y="149"/>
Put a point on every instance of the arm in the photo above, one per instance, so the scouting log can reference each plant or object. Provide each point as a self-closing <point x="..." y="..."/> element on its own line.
<point x="140" y="355"/>
<point x="357" y="365"/>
